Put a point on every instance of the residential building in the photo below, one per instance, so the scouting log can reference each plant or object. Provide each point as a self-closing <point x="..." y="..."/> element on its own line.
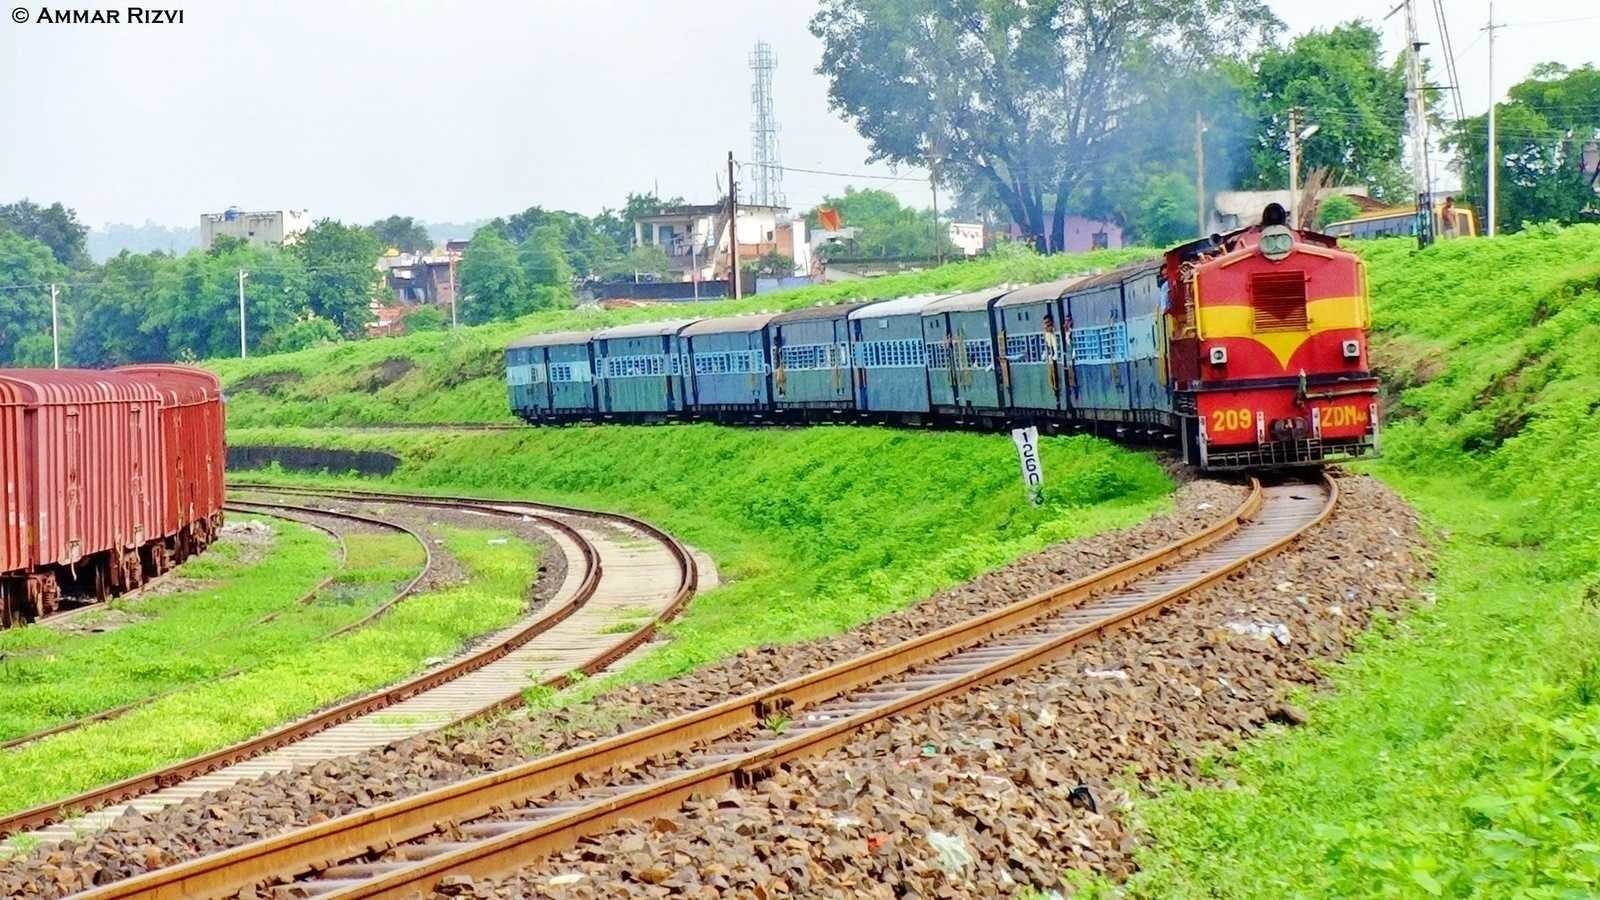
<point x="265" y="228"/>
<point x="420" y="278"/>
<point x="695" y="238"/>
<point x="1083" y="234"/>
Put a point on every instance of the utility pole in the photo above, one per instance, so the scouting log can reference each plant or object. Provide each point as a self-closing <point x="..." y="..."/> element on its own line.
<point x="454" y="290"/>
<point x="733" y="233"/>
<point x="1492" y="159"/>
<point x="933" y="182"/>
<point x="1294" y="167"/>
<point x="1419" y="129"/>
<point x="55" y="326"/>
<point x="241" y="315"/>
<point x="1199" y="174"/>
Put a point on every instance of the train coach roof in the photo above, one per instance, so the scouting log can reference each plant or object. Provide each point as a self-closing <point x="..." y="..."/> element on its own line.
<point x="56" y="386"/>
<point x="730" y="324"/>
<point x="645" y="329"/>
<point x="825" y="311"/>
<point x="970" y="302"/>
<point x="902" y="306"/>
<point x="1116" y="276"/>
<point x="551" y="339"/>
<point x="185" y="384"/>
<point x="1048" y="290"/>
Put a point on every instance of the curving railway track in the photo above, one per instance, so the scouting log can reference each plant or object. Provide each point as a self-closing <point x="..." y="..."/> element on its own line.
<point x="562" y="638"/>
<point x="495" y="823"/>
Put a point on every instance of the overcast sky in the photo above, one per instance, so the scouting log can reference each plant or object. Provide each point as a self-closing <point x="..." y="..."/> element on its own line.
<point x="460" y="111"/>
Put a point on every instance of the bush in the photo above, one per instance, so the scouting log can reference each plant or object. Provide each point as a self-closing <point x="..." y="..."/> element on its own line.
<point x="426" y="318"/>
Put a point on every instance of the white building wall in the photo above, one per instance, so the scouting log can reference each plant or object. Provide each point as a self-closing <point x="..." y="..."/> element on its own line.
<point x="283" y="226"/>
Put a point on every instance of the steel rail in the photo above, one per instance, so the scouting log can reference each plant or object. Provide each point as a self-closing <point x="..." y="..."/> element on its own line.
<point x="106" y="715"/>
<point x="138" y="785"/>
<point x="509" y="845"/>
<point x="689" y="580"/>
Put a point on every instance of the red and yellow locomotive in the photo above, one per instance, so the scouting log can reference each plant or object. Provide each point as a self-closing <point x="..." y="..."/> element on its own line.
<point x="1268" y="349"/>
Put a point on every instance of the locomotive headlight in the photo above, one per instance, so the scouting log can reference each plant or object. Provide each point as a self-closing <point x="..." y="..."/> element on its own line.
<point x="1277" y="242"/>
<point x="1352" y="349"/>
<point x="1219" y="356"/>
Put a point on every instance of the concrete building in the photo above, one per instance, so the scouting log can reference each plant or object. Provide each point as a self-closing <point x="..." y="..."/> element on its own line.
<point x="967" y="237"/>
<point x="695" y="238"/>
<point x="1083" y="234"/>
<point x="269" y="227"/>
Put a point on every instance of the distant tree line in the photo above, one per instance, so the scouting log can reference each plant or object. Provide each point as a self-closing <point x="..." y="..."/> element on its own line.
<point x="1032" y="112"/>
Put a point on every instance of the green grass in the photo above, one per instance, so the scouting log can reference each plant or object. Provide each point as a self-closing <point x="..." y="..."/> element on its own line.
<point x="1459" y="752"/>
<point x="188" y="636"/>
<point x="816" y="529"/>
<point x="292" y="682"/>
<point x="459" y="376"/>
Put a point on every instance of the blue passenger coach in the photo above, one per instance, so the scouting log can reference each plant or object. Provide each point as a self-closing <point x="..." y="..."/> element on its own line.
<point x="1117" y="345"/>
<point x="959" y="334"/>
<point x="1035" y="366"/>
<point x="889" y="356"/>
<point x="727" y="365"/>
<point x="812" y="377"/>
<point x="551" y="376"/>
<point x="639" y="370"/>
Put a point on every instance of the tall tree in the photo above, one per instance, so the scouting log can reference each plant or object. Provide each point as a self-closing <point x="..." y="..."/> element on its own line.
<point x="55" y="226"/>
<point x="114" y="325"/>
<point x="1543" y="129"/>
<point x="403" y="233"/>
<point x="544" y="257"/>
<point x="27" y="267"/>
<point x="339" y="260"/>
<point x="885" y="227"/>
<point x="1020" y="94"/>
<point x="493" y="284"/>
<point x="1337" y="82"/>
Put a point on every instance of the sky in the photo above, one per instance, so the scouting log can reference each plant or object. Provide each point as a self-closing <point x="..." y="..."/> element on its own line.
<point x="358" y="109"/>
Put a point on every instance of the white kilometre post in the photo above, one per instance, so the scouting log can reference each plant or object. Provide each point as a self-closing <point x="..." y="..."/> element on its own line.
<point x="1027" y="441"/>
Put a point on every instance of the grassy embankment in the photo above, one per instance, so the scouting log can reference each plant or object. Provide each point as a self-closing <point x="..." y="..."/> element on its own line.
<point x="460" y="377"/>
<point x="1459" y="753"/>
<point x="283" y="679"/>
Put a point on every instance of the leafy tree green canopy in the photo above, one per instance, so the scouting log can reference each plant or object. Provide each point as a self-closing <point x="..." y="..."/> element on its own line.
<point x="1337" y="81"/>
<point x="493" y="282"/>
<point x="403" y="233"/>
<point x="26" y="268"/>
<point x="1543" y="129"/>
<point x="55" y="226"/>
<point x="1021" y="95"/>
<point x="339" y="262"/>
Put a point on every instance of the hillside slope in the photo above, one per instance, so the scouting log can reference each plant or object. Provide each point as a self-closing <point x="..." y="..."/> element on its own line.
<point x="460" y="376"/>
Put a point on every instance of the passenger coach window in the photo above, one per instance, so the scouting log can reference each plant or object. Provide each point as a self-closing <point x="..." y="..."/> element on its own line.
<point x="1278" y="301"/>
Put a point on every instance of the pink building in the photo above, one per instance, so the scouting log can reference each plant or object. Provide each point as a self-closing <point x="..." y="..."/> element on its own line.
<point x="1083" y="235"/>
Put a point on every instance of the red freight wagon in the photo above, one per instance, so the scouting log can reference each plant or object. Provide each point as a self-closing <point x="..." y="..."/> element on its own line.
<point x="87" y="446"/>
<point x="193" y="447"/>
<point x="15" y="513"/>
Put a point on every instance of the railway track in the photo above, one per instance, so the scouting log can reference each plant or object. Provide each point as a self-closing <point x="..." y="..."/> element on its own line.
<point x="492" y="824"/>
<point x="490" y="676"/>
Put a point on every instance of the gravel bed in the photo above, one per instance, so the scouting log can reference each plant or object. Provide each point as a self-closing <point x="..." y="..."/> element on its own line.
<point x="276" y="803"/>
<point x="1016" y="783"/>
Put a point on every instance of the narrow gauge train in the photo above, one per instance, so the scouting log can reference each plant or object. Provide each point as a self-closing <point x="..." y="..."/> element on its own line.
<point x="1249" y="350"/>
<point x="107" y="479"/>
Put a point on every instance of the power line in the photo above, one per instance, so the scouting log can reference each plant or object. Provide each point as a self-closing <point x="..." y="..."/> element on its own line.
<point x="841" y="174"/>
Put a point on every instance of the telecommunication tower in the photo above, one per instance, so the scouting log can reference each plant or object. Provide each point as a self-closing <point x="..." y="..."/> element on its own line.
<point x="767" y="186"/>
